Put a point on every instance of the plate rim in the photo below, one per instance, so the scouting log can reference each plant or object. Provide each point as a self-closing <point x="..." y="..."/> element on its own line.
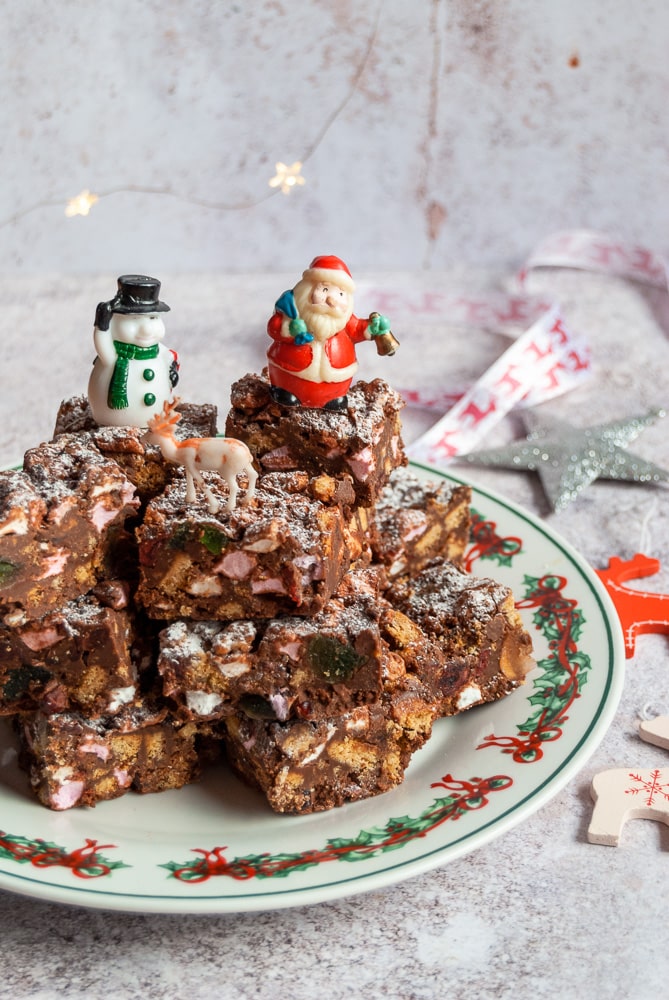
<point x="285" y="896"/>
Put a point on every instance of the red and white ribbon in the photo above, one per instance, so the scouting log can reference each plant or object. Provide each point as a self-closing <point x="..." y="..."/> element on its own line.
<point x="593" y="251"/>
<point x="498" y="311"/>
<point x="545" y="361"/>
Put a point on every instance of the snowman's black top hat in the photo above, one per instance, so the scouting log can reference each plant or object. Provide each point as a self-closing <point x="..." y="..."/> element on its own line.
<point x="138" y="293"/>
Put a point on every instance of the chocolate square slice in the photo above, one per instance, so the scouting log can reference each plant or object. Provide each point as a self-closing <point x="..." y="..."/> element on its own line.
<point x="280" y="668"/>
<point x="282" y="552"/>
<point x="417" y="522"/>
<point x="365" y="442"/>
<point x="309" y="766"/>
<point x="62" y="521"/>
<point x="76" y="760"/>
<point x="474" y="622"/>
<point x="82" y="656"/>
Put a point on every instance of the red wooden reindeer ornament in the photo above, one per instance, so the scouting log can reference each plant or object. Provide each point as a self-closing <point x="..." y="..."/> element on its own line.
<point x="639" y="610"/>
<point x="625" y="793"/>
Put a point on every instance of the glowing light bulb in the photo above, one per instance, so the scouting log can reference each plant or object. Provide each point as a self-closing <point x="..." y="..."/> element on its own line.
<point x="287" y="177"/>
<point x="81" y="204"/>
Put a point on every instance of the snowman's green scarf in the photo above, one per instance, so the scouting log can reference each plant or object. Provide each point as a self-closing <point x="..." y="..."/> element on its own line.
<point x="117" y="397"/>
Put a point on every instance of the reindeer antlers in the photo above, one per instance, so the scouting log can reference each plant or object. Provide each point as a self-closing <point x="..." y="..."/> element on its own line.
<point x="168" y="419"/>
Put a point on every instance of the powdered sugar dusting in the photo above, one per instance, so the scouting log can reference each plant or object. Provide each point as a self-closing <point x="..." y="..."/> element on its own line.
<point x="444" y="591"/>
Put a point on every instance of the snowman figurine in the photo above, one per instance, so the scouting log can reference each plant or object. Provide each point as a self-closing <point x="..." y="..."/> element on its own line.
<point x="133" y="373"/>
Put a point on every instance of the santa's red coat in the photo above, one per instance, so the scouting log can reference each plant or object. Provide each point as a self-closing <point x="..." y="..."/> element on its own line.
<point x="288" y="361"/>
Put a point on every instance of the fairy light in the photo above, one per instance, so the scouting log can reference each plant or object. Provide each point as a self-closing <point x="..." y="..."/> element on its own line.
<point x="81" y="204"/>
<point x="287" y="177"/>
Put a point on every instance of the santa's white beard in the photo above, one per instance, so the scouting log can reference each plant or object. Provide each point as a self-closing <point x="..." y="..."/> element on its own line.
<point x="321" y="321"/>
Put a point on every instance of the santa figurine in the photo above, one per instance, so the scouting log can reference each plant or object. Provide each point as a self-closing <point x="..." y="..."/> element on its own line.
<point x="133" y="374"/>
<point x="312" y="358"/>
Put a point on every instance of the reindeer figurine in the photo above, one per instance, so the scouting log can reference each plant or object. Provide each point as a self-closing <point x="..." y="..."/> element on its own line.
<point x="227" y="456"/>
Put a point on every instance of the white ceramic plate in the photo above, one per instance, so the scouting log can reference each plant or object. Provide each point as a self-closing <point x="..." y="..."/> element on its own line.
<point x="216" y="847"/>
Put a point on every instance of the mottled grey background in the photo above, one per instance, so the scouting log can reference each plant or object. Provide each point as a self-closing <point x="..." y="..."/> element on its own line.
<point x="431" y="132"/>
<point x="444" y="135"/>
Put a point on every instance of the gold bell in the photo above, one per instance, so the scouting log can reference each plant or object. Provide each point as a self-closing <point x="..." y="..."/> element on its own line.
<point x="386" y="343"/>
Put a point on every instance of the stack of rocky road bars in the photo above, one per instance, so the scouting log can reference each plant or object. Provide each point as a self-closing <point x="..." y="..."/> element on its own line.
<point x="312" y="635"/>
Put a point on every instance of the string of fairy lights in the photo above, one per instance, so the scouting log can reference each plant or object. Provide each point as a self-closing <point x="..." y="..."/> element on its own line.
<point x="287" y="176"/>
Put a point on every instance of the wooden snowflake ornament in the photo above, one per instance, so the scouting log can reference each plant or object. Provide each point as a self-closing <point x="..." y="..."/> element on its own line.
<point x="621" y="794"/>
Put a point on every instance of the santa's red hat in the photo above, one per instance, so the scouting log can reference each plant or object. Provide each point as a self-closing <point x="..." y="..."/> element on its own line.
<point x="332" y="269"/>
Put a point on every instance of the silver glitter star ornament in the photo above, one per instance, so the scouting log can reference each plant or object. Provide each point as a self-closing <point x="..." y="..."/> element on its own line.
<point x="569" y="458"/>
